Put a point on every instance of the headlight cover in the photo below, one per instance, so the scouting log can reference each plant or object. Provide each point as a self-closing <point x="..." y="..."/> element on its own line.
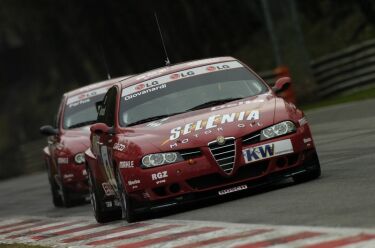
<point x="79" y="158"/>
<point x="158" y="159"/>
<point x="279" y="129"/>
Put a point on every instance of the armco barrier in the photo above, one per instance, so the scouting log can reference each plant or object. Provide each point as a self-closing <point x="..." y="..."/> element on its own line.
<point x="347" y="69"/>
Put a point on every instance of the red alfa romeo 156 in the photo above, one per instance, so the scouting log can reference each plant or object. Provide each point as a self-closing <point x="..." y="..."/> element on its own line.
<point x="204" y="128"/>
<point x="68" y="140"/>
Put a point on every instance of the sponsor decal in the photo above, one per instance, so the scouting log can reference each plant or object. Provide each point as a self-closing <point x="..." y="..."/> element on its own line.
<point x="161" y="181"/>
<point x="75" y="104"/>
<point x="161" y="82"/>
<point x="307" y="140"/>
<point x="159" y="175"/>
<point x="232" y="190"/>
<point x="186" y="140"/>
<point x="146" y="195"/>
<point x="62" y="160"/>
<point x="181" y="75"/>
<point x="126" y="164"/>
<point x="213" y="122"/>
<point x="79" y="99"/>
<point x="108" y="204"/>
<point x="118" y="147"/>
<point x="302" y="121"/>
<point x="267" y="150"/>
<point x="134" y="182"/>
<point x="230" y="105"/>
<point x="107" y="188"/>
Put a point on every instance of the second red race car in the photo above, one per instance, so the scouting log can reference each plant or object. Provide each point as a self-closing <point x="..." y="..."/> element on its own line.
<point x="204" y="128"/>
<point x="68" y="140"/>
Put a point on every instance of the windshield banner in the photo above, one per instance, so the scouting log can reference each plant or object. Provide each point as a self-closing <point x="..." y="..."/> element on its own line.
<point x="160" y="82"/>
<point x="86" y="95"/>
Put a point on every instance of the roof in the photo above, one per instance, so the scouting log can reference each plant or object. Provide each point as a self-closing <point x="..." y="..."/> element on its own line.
<point x="171" y="69"/>
<point x="95" y="86"/>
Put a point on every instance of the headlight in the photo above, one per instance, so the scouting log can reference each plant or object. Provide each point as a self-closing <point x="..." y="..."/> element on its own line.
<point x="278" y="130"/>
<point x="157" y="159"/>
<point x="79" y="158"/>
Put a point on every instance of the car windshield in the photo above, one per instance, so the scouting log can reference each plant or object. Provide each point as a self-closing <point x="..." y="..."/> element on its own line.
<point x="188" y="90"/>
<point x="80" y="110"/>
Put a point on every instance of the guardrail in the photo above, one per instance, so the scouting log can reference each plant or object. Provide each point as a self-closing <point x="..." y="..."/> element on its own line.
<point x="346" y="69"/>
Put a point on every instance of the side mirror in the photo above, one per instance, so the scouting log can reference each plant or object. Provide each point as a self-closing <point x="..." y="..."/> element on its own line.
<point x="281" y="85"/>
<point x="48" y="130"/>
<point x="101" y="128"/>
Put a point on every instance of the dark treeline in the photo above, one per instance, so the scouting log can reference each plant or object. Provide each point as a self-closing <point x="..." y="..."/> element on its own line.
<point x="48" y="47"/>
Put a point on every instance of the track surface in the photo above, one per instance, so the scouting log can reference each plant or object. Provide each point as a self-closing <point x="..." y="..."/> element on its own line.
<point x="342" y="197"/>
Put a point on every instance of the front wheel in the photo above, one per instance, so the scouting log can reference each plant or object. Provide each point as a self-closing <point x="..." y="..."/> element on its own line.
<point x="56" y="198"/>
<point x="66" y="197"/>
<point x="313" y="170"/>
<point x="128" y="213"/>
<point x="100" y="214"/>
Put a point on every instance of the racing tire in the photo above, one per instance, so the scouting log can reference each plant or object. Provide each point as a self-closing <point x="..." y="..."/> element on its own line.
<point x="313" y="170"/>
<point x="56" y="198"/>
<point x="100" y="214"/>
<point x="66" y="198"/>
<point x="126" y="203"/>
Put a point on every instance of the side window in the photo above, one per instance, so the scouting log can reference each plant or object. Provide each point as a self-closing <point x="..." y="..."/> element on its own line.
<point x="107" y="109"/>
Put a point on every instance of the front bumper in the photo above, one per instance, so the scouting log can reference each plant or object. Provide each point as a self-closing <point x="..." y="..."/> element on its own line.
<point x="202" y="176"/>
<point x="74" y="178"/>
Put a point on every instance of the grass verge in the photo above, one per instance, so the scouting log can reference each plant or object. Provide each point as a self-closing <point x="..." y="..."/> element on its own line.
<point x="20" y="246"/>
<point x="343" y="98"/>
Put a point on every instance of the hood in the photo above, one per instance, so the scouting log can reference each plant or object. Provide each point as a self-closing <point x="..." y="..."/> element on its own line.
<point x="198" y="128"/>
<point x="76" y="140"/>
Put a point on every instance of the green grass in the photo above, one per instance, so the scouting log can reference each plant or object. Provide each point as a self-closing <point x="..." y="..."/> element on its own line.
<point x="20" y="246"/>
<point x="344" y="98"/>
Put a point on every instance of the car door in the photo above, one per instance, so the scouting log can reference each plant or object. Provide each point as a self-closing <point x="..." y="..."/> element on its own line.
<point x="106" y="114"/>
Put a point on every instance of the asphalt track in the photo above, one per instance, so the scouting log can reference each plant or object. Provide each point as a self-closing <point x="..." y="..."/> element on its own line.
<point x="343" y="197"/>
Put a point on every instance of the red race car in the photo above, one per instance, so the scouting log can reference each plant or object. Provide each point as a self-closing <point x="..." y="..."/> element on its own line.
<point x="68" y="140"/>
<point x="198" y="129"/>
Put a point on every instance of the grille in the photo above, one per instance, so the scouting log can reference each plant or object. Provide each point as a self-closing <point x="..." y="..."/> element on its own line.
<point x="252" y="138"/>
<point x="245" y="172"/>
<point x="224" y="154"/>
<point x="190" y="153"/>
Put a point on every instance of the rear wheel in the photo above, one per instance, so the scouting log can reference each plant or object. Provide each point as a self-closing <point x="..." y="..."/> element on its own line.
<point x="313" y="170"/>
<point x="127" y="208"/>
<point x="96" y="195"/>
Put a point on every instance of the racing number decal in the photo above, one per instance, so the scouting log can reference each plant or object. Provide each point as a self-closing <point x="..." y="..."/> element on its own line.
<point x="108" y="166"/>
